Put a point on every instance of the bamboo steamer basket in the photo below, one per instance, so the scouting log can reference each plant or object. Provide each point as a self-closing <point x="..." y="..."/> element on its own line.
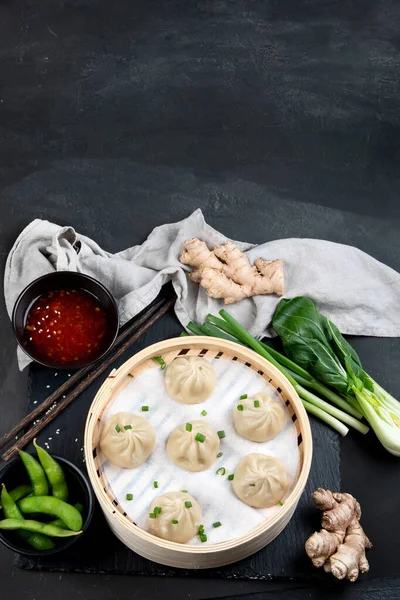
<point x="188" y="556"/>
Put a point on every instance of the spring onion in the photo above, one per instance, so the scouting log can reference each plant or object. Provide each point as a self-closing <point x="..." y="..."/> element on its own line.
<point x="184" y="491"/>
<point x="189" y="427"/>
<point x="230" y="477"/>
<point x="200" y="437"/>
<point x="325" y="411"/>
<point x="155" y="484"/>
<point x="243" y="397"/>
<point x="175" y="522"/>
<point x="240" y="407"/>
<point x="204" y="413"/>
<point x="117" y="428"/>
<point x="145" y="408"/>
<point x="221" y="434"/>
<point x="256" y="404"/>
<point x="188" y="504"/>
<point x="161" y="362"/>
<point x="219" y="454"/>
<point x="157" y="510"/>
<point x="217" y="524"/>
<point x="220" y="471"/>
<point x="129" y="497"/>
<point x="126" y="427"/>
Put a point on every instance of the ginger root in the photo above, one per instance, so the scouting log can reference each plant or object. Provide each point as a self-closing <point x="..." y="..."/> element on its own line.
<point x="340" y="546"/>
<point x="225" y="272"/>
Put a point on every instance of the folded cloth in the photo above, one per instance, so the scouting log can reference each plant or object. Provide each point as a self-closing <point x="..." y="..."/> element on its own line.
<point x="358" y="293"/>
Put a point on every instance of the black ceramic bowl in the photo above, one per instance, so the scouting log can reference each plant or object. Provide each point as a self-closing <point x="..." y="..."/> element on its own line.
<point x="64" y="280"/>
<point x="79" y="491"/>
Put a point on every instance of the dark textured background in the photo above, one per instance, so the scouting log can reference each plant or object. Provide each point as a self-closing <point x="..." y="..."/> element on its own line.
<point x="276" y="118"/>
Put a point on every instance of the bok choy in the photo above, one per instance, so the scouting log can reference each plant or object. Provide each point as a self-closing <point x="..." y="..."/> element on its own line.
<point x="315" y="344"/>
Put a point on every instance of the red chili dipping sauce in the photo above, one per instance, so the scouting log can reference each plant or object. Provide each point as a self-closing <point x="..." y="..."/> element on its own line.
<point x="66" y="326"/>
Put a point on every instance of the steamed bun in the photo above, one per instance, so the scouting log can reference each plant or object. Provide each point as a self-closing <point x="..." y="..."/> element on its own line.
<point x="187" y="452"/>
<point x="260" y="480"/>
<point x="177" y="522"/>
<point x="190" y="379"/>
<point x="127" y="440"/>
<point x="261" y="419"/>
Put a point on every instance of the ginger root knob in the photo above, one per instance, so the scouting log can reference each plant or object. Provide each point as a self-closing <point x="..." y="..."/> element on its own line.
<point x="225" y="272"/>
<point x="340" y="546"/>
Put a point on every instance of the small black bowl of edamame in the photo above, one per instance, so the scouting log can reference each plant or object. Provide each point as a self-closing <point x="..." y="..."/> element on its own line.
<point x="62" y="492"/>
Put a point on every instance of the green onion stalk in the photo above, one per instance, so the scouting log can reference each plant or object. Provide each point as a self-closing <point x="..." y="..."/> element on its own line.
<point x="229" y="328"/>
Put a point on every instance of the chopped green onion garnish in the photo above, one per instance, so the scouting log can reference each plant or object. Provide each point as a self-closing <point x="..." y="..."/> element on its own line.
<point x="201" y="529"/>
<point x="220" y="471"/>
<point x="230" y="477"/>
<point x="203" y="537"/>
<point x="243" y="397"/>
<point x="175" y="522"/>
<point x="204" y="412"/>
<point x="221" y="434"/>
<point x="155" y="484"/>
<point x="219" y="454"/>
<point x="252" y="484"/>
<point x="217" y="524"/>
<point x="256" y="404"/>
<point x="188" y="504"/>
<point x="145" y="408"/>
<point x="161" y="362"/>
<point x="157" y="510"/>
<point x="184" y="491"/>
<point x="117" y="428"/>
<point x="126" y="427"/>
<point x="152" y="516"/>
<point x="129" y="496"/>
<point x="189" y="427"/>
<point x="280" y="503"/>
<point x="200" y="437"/>
<point x="240" y="407"/>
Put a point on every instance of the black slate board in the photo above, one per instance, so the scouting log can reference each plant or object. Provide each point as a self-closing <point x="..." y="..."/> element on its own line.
<point x="101" y="552"/>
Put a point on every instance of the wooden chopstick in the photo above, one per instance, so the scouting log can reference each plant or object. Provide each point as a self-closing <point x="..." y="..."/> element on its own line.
<point x="55" y="406"/>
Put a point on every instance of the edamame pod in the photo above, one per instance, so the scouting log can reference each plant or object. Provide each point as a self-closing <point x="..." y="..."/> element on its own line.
<point x="19" y="492"/>
<point x="35" y="527"/>
<point x="54" y="473"/>
<point x="60" y="523"/>
<point x="35" y="473"/>
<point x="11" y="511"/>
<point x="49" y="505"/>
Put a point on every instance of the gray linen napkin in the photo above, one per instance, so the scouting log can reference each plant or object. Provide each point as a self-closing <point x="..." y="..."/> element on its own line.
<point x="358" y="293"/>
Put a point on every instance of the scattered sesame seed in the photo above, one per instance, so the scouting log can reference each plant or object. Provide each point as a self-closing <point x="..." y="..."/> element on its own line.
<point x="76" y="440"/>
<point x="50" y="438"/>
<point x="81" y="449"/>
<point x="47" y="386"/>
<point x="69" y="374"/>
<point x="55" y="374"/>
<point x="35" y="402"/>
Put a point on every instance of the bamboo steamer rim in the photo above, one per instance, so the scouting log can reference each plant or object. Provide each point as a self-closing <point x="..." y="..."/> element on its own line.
<point x="198" y="342"/>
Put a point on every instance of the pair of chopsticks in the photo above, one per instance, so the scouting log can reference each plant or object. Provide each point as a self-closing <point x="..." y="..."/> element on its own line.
<point x="54" y="404"/>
